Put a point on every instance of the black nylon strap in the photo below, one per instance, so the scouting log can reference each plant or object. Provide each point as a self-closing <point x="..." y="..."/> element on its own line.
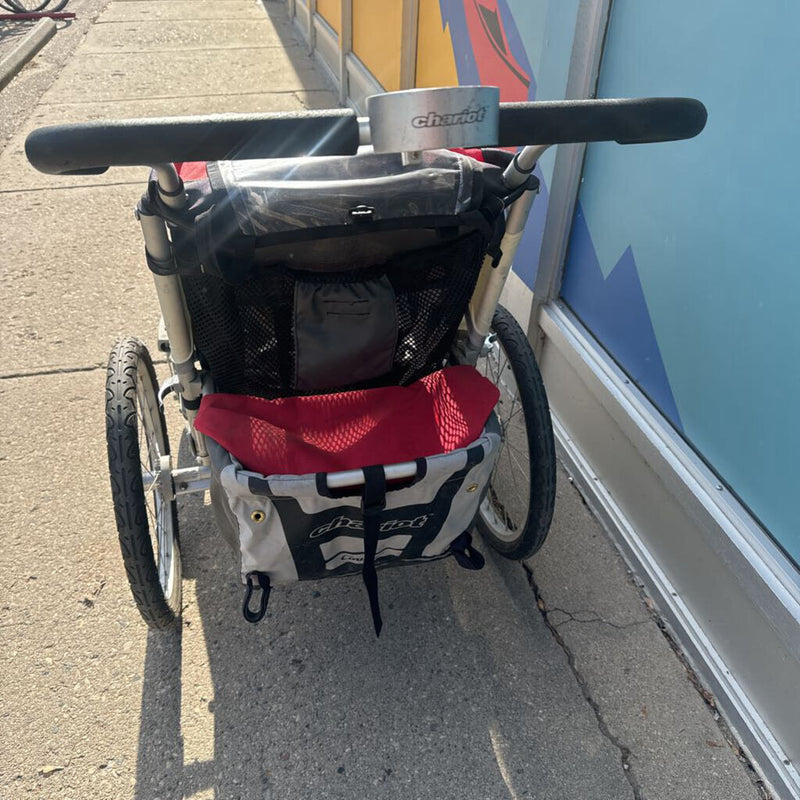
<point x="373" y="502"/>
<point x="465" y="554"/>
<point x="262" y="579"/>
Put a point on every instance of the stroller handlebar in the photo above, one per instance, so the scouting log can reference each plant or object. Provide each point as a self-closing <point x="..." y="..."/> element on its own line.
<point x="625" y="121"/>
<point x="90" y="148"/>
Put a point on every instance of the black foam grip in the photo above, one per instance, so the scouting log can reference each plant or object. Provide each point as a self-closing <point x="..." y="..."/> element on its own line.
<point x="635" y="121"/>
<point x="90" y="148"/>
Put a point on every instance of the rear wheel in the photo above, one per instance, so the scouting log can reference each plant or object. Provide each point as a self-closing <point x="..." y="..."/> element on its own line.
<point x="515" y="515"/>
<point x="138" y="461"/>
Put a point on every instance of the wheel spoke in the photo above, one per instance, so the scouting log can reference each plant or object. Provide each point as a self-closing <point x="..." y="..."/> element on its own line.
<point x="143" y="450"/>
<point x="511" y="412"/>
<point x="522" y="453"/>
<point x="151" y="488"/>
<point x="150" y="509"/>
<point x="497" y="459"/>
<point x="517" y="412"/>
<point x="161" y="532"/>
<point x="164" y="549"/>
<point x="520" y="466"/>
<point x="512" y="470"/>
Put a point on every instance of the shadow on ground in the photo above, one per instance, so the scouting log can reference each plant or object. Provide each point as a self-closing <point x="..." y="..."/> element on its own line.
<point x="12" y="31"/>
<point x="464" y="695"/>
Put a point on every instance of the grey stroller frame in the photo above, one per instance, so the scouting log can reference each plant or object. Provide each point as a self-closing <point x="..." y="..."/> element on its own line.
<point x="514" y="498"/>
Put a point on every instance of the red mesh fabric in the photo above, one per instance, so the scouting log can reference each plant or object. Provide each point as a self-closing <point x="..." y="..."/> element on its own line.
<point x="327" y="433"/>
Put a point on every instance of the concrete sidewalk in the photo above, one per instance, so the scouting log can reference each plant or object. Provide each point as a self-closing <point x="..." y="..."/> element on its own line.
<point x="548" y="682"/>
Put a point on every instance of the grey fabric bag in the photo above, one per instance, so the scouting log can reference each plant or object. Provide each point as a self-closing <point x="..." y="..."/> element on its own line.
<point x="285" y="528"/>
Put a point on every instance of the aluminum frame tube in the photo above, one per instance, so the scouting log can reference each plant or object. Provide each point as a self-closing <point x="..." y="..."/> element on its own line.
<point x="493" y="279"/>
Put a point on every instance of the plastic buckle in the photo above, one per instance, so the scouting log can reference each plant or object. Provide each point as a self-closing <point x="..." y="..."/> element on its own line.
<point x="362" y="213"/>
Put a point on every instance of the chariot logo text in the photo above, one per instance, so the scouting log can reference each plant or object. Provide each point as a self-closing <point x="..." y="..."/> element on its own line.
<point x="434" y="120"/>
<point x="358" y="525"/>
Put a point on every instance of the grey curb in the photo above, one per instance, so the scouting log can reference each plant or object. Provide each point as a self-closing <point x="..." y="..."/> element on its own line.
<point x="43" y="31"/>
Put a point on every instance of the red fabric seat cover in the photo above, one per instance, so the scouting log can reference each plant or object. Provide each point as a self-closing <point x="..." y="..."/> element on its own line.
<point x="348" y="430"/>
<point x="191" y="170"/>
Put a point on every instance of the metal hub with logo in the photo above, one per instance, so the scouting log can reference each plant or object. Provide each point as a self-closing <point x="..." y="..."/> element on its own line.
<point x="425" y="119"/>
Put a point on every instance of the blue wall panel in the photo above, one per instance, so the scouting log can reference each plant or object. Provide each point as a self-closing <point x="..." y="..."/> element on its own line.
<point x="706" y="230"/>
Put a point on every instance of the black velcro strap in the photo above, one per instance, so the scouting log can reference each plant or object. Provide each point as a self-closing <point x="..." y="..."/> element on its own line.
<point x="159" y="267"/>
<point x="191" y="405"/>
<point x="373" y="501"/>
<point x="175" y="193"/>
<point x="262" y="579"/>
<point x="531" y="185"/>
<point x="465" y="554"/>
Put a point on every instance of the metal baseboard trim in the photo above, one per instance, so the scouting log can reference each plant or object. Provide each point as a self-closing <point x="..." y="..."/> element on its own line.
<point x="739" y="713"/>
<point x="325" y="43"/>
<point x="327" y="48"/>
<point x="362" y="83"/>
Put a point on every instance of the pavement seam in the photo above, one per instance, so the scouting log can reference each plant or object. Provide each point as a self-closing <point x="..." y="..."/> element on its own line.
<point x="706" y="696"/>
<point x="176" y="19"/>
<point x="300" y="100"/>
<point x="63" y="104"/>
<point x="71" y="186"/>
<point x="182" y="50"/>
<point x="625" y="752"/>
<point x="183" y="96"/>
<point x="63" y="371"/>
<point x="171" y="50"/>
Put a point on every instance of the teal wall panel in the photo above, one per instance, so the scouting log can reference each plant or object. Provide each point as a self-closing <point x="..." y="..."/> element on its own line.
<point x="711" y="225"/>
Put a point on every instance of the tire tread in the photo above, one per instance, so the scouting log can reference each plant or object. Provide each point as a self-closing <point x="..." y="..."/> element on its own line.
<point x="122" y="437"/>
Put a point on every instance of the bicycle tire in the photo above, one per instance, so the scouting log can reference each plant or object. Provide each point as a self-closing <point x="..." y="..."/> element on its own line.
<point x="21" y="8"/>
<point x="513" y="527"/>
<point x="134" y="418"/>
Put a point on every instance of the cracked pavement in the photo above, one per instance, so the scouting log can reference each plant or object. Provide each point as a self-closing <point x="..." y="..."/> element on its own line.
<point x="483" y="685"/>
<point x="671" y="742"/>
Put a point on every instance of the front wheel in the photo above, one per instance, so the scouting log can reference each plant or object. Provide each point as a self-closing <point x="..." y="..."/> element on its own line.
<point x="138" y="460"/>
<point x="515" y="515"/>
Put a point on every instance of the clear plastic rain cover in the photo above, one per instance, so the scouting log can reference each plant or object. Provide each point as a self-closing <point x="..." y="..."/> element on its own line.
<point x="285" y="195"/>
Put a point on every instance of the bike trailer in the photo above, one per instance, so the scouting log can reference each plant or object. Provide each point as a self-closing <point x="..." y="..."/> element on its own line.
<point x="325" y="296"/>
<point x="354" y="393"/>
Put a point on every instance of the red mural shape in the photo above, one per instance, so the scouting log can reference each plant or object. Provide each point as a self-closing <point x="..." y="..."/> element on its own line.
<point x="496" y="64"/>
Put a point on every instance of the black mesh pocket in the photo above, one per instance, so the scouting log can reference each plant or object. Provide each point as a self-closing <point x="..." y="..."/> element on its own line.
<point x="432" y="289"/>
<point x="245" y="332"/>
